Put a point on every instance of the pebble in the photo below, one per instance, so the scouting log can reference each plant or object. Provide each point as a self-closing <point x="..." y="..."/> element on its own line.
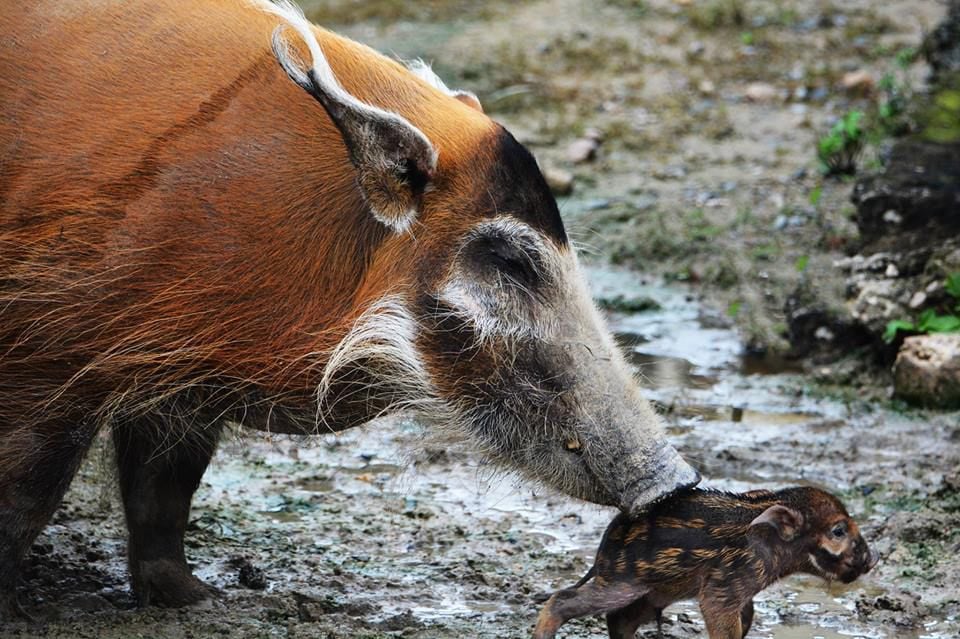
<point x="824" y="333"/>
<point x="917" y="300"/>
<point x="761" y="92"/>
<point x="859" y="81"/>
<point x="892" y="270"/>
<point x="892" y="217"/>
<point x="582" y="150"/>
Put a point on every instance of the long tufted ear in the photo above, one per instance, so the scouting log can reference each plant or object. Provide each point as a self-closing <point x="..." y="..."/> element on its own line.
<point x="786" y="521"/>
<point x="394" y="159"/>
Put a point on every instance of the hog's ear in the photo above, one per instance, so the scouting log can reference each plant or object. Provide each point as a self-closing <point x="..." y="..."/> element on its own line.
<point x="394" y="159"/>
<point x="787" y="522"/>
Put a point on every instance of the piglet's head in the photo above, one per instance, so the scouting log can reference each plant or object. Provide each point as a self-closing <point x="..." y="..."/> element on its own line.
<point x="813" y="532"/>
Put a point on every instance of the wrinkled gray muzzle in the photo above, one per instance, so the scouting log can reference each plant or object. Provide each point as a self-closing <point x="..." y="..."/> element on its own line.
<point x="670" y="474"/>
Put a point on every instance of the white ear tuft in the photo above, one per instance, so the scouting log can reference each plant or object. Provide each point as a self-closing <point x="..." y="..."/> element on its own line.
<point x="423" y="71"/>
<point x="394" y="159"/>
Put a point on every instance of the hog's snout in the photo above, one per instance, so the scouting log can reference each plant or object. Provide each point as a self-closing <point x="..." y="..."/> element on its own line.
<point x="672" y="475"/>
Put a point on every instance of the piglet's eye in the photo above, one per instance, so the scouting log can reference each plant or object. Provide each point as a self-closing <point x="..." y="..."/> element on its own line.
<point x="839" y="531"/>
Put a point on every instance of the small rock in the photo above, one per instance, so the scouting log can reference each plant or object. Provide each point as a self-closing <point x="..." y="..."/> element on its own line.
<point x="559" y="181"/>
<point x="824" y="334"/>
<point x="251" y="577"/>
<point x="696" y="49"/>
<point x="892" y="217"/>
<point x="927" y="370"/>
<point x="876" y="302"/>
<point x="917" y="300"/>
<point x="582" y="150"/>
<point x="860" y="81"/>
<point x="707" y="87"/>
<point x="760" y="92"/>
<point x="892" y="270"/>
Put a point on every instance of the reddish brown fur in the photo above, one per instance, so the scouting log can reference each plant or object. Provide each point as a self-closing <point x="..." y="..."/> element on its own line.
<point x="126" y="152"/>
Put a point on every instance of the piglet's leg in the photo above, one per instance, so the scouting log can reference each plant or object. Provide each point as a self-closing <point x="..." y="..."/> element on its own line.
<point x="593" y="598"/>
<point x="721" y="623"/>
<point x="623" y="623"/>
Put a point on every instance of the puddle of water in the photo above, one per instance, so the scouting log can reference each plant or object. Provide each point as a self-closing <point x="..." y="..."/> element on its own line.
<point x="668" y="372"/>
<point x="767" y="364"/>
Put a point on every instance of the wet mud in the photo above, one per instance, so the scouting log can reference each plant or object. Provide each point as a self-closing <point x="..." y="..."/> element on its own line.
<point x="371" y="534"/>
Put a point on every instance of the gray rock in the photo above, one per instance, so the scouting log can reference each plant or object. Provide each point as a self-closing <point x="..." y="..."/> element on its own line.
<point x="942" y="46"/>
<point x="927" y="370"/>
<point x="921" y="184"/>
<point x="582" y="150"/>
<point x="876" y="302"/>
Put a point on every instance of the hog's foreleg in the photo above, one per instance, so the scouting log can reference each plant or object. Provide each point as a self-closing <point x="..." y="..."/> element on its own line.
<point x="159" y="472"/>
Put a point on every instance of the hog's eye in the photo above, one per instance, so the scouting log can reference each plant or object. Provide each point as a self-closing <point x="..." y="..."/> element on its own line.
<point x="839" y="531"/>
<point x="574" y="446"/>
<point x="501" y="256"/>
<point x="513" y="264"/>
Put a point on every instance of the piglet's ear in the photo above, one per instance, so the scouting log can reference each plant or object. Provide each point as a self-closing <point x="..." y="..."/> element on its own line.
<point x="787" y="522"/>
<point x="394" y="160"/>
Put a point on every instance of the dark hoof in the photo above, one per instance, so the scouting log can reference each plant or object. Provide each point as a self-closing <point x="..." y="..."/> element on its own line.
<point x="169" y="584"/>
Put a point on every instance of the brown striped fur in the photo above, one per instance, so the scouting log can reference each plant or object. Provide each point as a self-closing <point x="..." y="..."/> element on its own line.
<point x="721" y="548"/>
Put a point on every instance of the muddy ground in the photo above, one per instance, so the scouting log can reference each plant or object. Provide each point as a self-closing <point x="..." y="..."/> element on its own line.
<point x="706" y="195"/>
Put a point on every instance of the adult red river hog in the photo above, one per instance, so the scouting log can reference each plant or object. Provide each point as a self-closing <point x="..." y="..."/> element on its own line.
<point x="216" y="212"/>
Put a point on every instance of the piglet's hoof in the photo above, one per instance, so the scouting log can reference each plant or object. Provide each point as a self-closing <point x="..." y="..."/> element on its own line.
<point x="169" y="584"/>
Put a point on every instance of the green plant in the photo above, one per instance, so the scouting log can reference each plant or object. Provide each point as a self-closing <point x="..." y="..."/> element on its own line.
<point x="930" y="321"/>
<point x="839" y="150"/>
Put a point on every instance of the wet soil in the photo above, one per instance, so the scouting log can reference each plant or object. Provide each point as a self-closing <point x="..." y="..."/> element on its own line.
<point x="368" y="534"/>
